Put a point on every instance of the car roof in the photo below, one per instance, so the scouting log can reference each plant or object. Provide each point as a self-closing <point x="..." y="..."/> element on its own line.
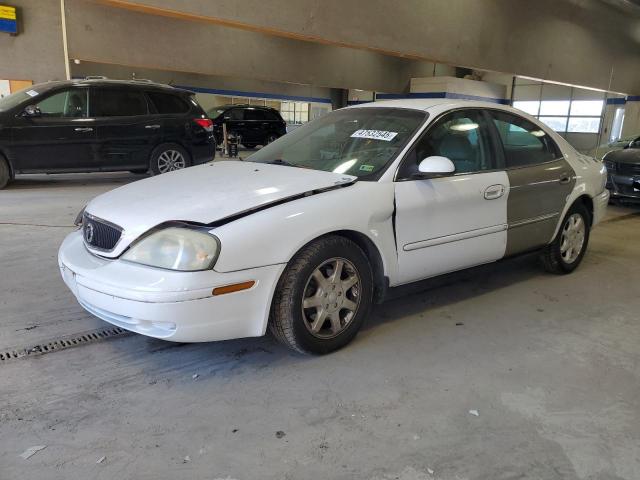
<point x="241" y="105"/>
<point x="425" y="104"/>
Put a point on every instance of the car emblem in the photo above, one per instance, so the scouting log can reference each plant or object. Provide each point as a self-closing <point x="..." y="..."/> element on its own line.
<point x="89" y="232"/>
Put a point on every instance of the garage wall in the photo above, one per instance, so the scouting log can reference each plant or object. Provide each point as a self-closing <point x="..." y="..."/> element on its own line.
<point x="106" y="35"/>
<point x="36" y="53"/>
<point x="581" y="42"/>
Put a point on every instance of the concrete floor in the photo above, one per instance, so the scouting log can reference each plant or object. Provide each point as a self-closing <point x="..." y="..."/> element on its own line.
<point x="551" y="364"/>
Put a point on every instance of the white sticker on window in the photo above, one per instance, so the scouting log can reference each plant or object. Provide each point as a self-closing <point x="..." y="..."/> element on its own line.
<point x="374" y="135"/>
<point x="31" y="93"/>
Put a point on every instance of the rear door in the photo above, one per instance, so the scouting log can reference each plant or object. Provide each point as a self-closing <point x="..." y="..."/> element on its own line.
<point x="126" y="132"/>
<point x="540" y="180"/>
<point x="61" y="138"/>
<point x="455" y="221"/>
<point x="256" y="126"/>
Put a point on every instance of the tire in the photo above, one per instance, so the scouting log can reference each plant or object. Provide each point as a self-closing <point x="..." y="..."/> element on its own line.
<point x="5" y="173"/>
<point x="343" y="304"/>
<point x="559" y="257"/>
<point x="272" y="137"/>
<point x="167" y="158"/>
<point x="249" y="145"/>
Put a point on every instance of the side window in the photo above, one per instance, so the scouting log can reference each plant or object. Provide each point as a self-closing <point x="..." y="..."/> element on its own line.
<point x="271" y="116"/>
<point x="107" y="102"/>
<point x="524" y="142"/>
<point x="165" y="103"/>
<point x="67" y="104"/>
<point x="254" y="114"/>
<point x="234" y="114"/>
<point x="461" y="136"/>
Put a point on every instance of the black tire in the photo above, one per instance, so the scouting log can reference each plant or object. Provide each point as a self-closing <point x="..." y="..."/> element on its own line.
<point x="552" y="257"/>
<point x="5" y="173"/>
<point x="288" y="320"/>
<point x="155" y="165"/>
<point x="272" y="137"/>
<point x="249" y="145"/>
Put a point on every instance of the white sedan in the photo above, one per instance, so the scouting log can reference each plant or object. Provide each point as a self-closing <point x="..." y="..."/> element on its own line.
<point x="303" y="236"/>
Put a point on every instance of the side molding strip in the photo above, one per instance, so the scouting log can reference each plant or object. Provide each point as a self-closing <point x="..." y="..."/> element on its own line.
<point x="454" y="238"/>
<point x="529" y="221"/>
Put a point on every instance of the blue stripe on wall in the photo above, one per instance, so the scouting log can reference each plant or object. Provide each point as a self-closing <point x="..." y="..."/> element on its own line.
<point x="455" y="96"/>
<point x="633" y="98"/>
<point x="358" y="102"/>
<point x="240" y="93"/>
<point x="616" y="101"/>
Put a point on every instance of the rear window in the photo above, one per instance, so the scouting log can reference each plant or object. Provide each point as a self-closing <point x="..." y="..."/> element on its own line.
<point x="254" y="114"/>
<point x="165" y="103"/>
<point x="117" y="103"/>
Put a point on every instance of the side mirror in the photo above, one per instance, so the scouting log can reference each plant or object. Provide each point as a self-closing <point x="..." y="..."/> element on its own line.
<point x="435" y="166"/>
<point x="31" y="111"/>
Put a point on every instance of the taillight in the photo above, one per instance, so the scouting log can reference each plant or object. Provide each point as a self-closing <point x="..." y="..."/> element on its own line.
<point x="205" y="123"/>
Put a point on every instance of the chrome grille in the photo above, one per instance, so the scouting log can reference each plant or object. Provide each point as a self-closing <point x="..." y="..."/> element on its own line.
<point x="99" y="233"/>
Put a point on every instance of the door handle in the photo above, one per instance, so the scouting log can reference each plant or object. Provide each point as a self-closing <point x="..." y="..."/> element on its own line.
<point x="84" y="129"/>
<point x="565" y="179"/>
<point x="494" y="191"/>
<point x="153" y="127"/>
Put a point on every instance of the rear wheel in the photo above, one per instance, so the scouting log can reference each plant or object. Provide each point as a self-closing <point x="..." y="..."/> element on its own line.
<point x="565" y="253"/>
<point x="5" y="173"/>
<point x="272" y="137"/>
<point x="168" y="158"/>
<point x="323" y="297"/>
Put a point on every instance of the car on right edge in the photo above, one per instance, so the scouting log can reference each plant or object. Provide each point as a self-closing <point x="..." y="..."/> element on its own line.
<point x="623" y="168"/>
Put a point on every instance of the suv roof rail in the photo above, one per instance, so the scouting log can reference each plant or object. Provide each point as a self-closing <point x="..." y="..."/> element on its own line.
<point x="95" y="77"/>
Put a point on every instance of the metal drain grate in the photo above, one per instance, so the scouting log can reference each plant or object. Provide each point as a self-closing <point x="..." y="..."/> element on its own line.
<point x="63" y="343"/>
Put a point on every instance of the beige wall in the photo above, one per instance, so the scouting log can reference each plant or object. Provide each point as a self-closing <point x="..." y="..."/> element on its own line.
<point x="36" y="53"/>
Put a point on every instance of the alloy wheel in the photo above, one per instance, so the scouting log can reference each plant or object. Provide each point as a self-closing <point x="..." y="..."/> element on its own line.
<point x="331" y="298"/>
<point x="171" y="160"/>
<point x="572" y="240"/>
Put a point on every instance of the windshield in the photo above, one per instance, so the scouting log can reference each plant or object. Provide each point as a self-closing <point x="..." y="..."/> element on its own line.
<point x="355" y="141"/>
<point x="15" y="99"/>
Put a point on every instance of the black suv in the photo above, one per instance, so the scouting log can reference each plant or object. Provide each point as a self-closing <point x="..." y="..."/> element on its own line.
<point x="252" y="124"/>
<point x="102" y="125"/>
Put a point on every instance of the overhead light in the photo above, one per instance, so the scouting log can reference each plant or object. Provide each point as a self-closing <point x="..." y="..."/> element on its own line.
<point x="345" y="166"/>
<point x="463" y="127"/>
<point x="76" y="61"/>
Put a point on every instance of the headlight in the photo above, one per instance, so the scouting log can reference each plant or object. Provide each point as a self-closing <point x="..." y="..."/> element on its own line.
<point x="176" y="248"/>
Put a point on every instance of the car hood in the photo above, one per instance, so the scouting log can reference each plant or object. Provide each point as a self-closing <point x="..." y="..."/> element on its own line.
<point x="205" y="194"/>
<point x="629" y="155"/>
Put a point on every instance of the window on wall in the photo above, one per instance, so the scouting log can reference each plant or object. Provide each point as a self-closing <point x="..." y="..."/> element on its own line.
<point x="573" y="116"/>
<point x="294" y="112"/>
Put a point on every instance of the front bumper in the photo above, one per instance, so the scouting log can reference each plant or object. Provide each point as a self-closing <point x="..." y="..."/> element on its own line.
<point x="176" y="306"/>
<point x="624" y="186"/>
<point x="600" y="203"/>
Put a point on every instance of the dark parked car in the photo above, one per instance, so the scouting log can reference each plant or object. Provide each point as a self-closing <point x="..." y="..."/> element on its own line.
<point x="623" y="168"/>
<point x="252" y="124"/>
<point x="102" y="125"/>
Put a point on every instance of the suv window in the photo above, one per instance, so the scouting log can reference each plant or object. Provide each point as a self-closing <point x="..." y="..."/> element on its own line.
<point x="254" y="114"/>
<point x="107" y="102"/>
<point x="66" y="104"/>
<point x="461" y="136"/>
<point x="271" y="115"/>
<point x="234" y="114"/>
<point x="167" y="103"/>
<point x="524" y="142"/>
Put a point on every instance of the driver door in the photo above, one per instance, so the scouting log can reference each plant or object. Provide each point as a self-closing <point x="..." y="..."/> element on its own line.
<point x="456" y="221"/>
<point x="61" y="137"/>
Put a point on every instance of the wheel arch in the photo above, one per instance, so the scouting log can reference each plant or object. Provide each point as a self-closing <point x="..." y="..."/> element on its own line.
<point x="5" y="158"/>
<point x="587" y="201"/>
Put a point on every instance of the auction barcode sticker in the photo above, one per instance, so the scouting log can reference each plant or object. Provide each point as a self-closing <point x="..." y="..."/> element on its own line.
<point x="374" y="134"/>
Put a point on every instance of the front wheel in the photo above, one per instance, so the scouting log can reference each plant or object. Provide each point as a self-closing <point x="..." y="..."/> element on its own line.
<point x="5" y="173"/>
<point x="323" y="296"/>
<point x="565" y="253"/>
<point x="168" y="158"/>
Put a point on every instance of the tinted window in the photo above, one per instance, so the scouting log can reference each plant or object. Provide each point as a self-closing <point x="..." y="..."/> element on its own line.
<point x="166" y="103"/>
<point x="271" y="115"/>
<point x="117" y="103"/>
<point x="253" y="114"/>
<point x="235" y="114"/>
<point x="67" y="104"/>
<point x="524" y="142"/>
<point x="462" y="137"/>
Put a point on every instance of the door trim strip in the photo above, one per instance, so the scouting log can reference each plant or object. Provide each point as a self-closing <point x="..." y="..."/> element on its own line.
<point x="529" y="221"/>
<point x="456" y="237"/>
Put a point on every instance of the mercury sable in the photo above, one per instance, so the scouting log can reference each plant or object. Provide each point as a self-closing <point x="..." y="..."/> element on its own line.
<point x="303" y="236"/>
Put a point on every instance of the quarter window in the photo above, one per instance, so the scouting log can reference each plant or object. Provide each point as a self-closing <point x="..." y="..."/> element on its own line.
<point x="460" y="136"/>
<point x="166" y="103"/>
<point x="524" y="142"/>
<point x="67" y="104"/>
<point x="117" y="103"/>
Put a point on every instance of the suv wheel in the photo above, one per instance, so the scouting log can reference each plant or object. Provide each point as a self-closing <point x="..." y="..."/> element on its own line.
<point x="5" y="173"/>
<point x="168" y="158"/>
<point x="272" y="137"/>
<point x="323" y="296"/>
<point x="565" y="253"/>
